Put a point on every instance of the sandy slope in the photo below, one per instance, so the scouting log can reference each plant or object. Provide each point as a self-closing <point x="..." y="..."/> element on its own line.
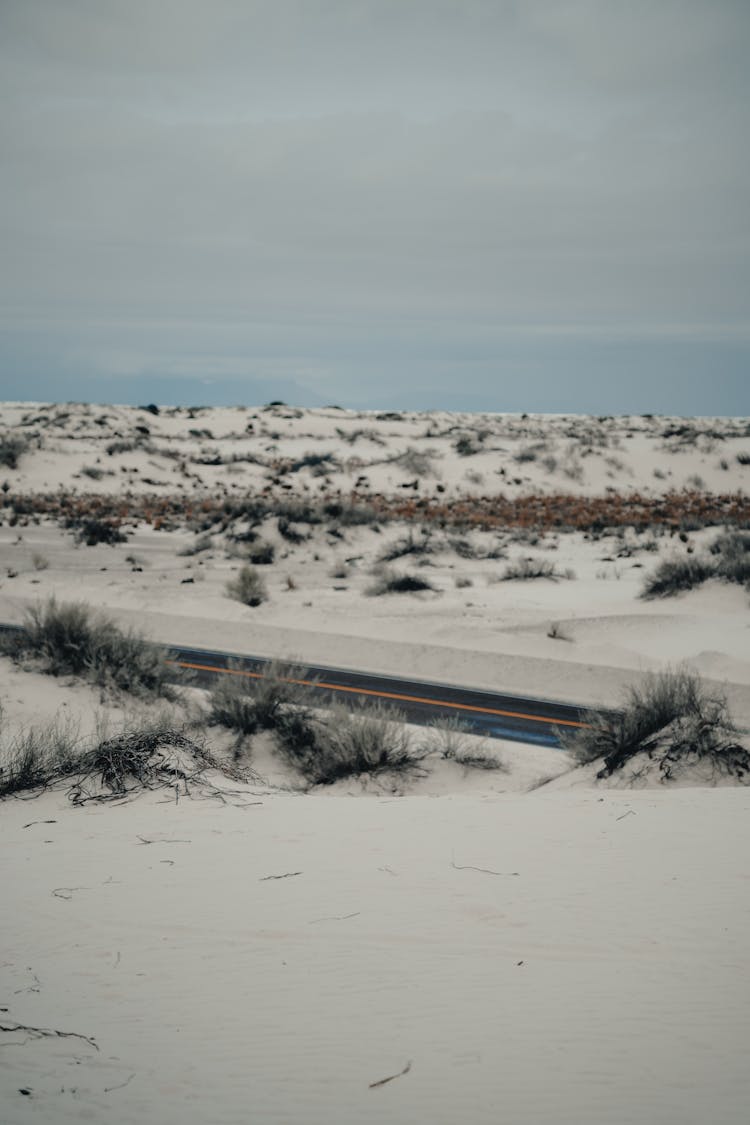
<point x="604" y="982"/>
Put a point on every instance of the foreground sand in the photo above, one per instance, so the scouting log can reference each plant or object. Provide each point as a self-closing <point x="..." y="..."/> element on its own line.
<point x="560" y="957"/>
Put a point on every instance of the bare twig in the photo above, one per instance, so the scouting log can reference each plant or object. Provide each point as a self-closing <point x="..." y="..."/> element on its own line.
<point x="31" y="822"/>
<point x="286" y="875"/>
<point x="334" y="918"/>
<point x="484" y="870"/>
<point x="109" y="1089"/>
<point x="168" y="840"/>
<point x="66" y="892"/>
<point x="391" y="1077"/>
<point x="630" y="812"/>
<point x="47" y="1033"/>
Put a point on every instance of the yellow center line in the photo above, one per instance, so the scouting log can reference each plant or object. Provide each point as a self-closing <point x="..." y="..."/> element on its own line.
<point x="383" y="694"/>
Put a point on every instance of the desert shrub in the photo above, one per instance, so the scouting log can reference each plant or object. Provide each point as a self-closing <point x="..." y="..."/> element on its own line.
<point x="12" y="448"/>
<point x="154" y="753"/>
<point x="415" y="462"/>
<point x="672" y="576"/>
<point x="122" y="445"/>
<point x="409" y="544"/>
<point x="37" y="755"/>
<point x="288" y="531"/>
<point x="526" y="454"/>
<point x="247" y="587"/>
<point x="349" y="514"/>
<point x="314" y="461"/>
<point x="246" y="703"/>
<point x="71" y="639"/>
<point x="261" y="553"/>
<point x="670" y="716"/>
<point x="732" y="556"/>
<point x="448" y="739"/>
<point x="92" y="530"/>
<point x="202" y="543"/>
<point x="462" y="582"/>
<point x="342" y="744"/>
<point x="466" y="445"/>
<point x="389" y="582"/>
<point x="527" y="568"/>
<point x="38" y="561"/>
<point x="92" y="471"/>
<point x="743" y="458"/>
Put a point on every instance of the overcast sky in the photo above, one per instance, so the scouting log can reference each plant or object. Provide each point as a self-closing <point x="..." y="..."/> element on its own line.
<point x="478" y="204"/>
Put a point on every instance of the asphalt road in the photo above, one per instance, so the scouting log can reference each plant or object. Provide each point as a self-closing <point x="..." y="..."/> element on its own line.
<point x="492" y="714"/>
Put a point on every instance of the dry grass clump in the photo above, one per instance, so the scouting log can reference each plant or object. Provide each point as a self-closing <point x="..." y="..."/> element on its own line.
<point x="390" y="582"/>
<point x="12" y="448"/>
<point x="247" y="587"/>
<point x="152" y="754"/>
<point x="449" y="739"/>
<point x="528" y="568"/>
<point x="92" y="530"/>
<point x="672" y="576"/>
<point x="37" y="756"/>
<point x="728" y="559"/>
<point x="670" y="717"/>
<point x="409" y="544"/>
<point x="731" y="552"/>
<point x="325" y="748"/>
<point x="72" y="639"/>
<point x="246" y="703"/>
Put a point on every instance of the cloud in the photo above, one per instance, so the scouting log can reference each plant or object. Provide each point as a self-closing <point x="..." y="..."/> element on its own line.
<point x="182" y="173"/>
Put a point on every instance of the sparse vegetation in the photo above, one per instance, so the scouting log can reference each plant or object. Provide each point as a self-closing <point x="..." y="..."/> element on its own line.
<point x="12" y="448"/>
<point x="528" y="568"/>
<point x="72" y="639"/>
<point x="674" y="575"/>
<point x="247" y="587"/>
<point x="409" y="544"/>
<point x="325" y="748"/>
<point x="152" y="754"/>
<point x="672" y="719"/>
<point x="246" y="702"/>
<point x="261" y="553"/>
<point x="390" y="582"/>
<point x="92" y="530"/>
<point x="728" y="559"/>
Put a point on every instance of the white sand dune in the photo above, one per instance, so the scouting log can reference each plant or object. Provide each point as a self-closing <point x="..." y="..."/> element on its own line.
<point x="528" y="944"/>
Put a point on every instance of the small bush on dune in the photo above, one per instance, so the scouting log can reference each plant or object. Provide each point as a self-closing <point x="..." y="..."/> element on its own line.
<point x="38" y="755"/>
<point x="670" y="715"/>
<point x="389" y="582"/>
<point x="448" y="738"/>
<point x="71" y="639"/>
<point x="675" y="575"/>
<point x="12" y="448"/>
<point x="248" y="703"/>
<point x="152" y="754"/>
<point x="732" y="556"/>
<point x="261" y="553"/>
<point x="92" y="530"/>
<point x="341" y="744"/>
<point x="409" y="544"/>
<point x="248" y="587"/>
<point x="528" y="568"/>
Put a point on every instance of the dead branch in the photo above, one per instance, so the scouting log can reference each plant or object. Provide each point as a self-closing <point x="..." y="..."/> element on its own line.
<point x="46" y="1033"/>
<point x="391" y="1077"/>
<point x="484" y="870"/>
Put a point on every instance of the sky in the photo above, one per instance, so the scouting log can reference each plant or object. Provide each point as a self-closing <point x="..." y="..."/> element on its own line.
<point x="491" y="205"/>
